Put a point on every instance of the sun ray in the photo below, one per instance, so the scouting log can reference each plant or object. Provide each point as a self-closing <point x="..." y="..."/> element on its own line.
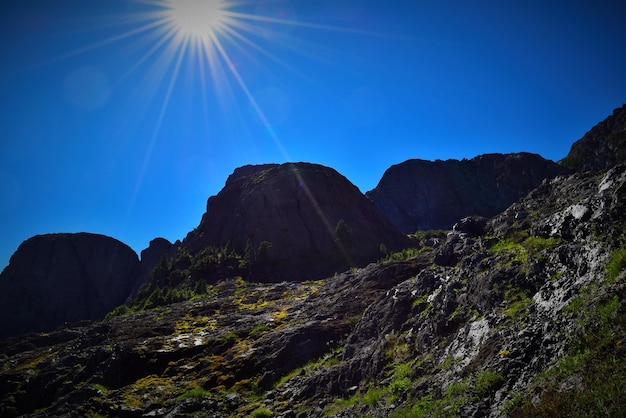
<point x="204" y="34"/>
<point x="251" y="99"/>
<point x="155" y="132"/>
<point x="309" y="25"/>
<point x="236" y="34"/>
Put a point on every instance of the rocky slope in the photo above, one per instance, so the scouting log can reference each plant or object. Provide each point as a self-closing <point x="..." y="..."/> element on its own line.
<point x="311" y="220"/>
<point x="602" y="147"/>
<point x="519" y="315"/>
<point x="57" y="278"/>
<point x="425" y="195"/>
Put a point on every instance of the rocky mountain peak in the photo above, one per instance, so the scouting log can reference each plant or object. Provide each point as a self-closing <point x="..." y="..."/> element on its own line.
<point x="307" y="220"/>
<point x="56" y="278"/>
<point x="602" y="147"/>
<point x="423" y="195"/>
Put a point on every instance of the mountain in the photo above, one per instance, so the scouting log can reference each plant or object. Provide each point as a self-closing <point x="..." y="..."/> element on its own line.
<point x="424" y="195"/>
<point x="529" y="320"/>
<point x="305" y="220"/>
<point x="521" y="314"/>
<point x="57" y="278"/>
<point x="602" y="147"/>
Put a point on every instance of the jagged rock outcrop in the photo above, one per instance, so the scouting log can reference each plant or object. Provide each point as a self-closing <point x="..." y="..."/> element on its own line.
<point x="313" y="221"/>
<point x="602" y="147"/>
<point x="422" y="195"/>
<point x="57" y="278"/>
<point x="157" y="248"/>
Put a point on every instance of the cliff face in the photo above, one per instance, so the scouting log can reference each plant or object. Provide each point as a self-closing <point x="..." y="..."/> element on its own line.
<point x="312" y="220"/>
<point x="602" y="147"/>
<point x="58" y="278"/>
<point x="423" y="195"/>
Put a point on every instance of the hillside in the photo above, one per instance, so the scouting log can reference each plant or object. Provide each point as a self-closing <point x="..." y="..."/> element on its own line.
<point x="521" y="314"/>
<point x="527" y="319"/>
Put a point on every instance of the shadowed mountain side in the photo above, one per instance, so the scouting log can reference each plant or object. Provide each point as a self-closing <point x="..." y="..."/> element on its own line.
<point x="305" y="220"/>
<point x="602" y="147"/>
<point x="57" y="278"/>
<point x="422" y="195"/>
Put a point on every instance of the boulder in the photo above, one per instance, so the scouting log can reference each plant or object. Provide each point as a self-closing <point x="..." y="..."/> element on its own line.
<point x="57" y="278"/>
<point x="423" y="195"/>
<point x="301" y="221"/>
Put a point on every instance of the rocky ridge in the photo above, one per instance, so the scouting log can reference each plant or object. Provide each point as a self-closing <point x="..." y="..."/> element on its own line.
<point x="602" y="147"/>
<point x="424" y="195"/>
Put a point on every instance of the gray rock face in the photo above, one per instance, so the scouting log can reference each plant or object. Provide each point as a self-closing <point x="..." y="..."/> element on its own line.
<point x="602" y="147"/>
<point x="316" y="220"/>
<point x="57" y="278"/>
<point x="423" y="195"/>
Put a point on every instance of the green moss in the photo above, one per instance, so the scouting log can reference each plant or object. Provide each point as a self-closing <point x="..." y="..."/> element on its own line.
<point x="100" y="388"/>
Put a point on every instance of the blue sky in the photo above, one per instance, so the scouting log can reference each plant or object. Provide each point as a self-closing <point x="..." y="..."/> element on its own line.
<point x="112" y="122"/>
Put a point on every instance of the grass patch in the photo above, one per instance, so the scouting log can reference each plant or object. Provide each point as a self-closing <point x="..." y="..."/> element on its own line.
<point x="405" y="254"/>
<point x="616" y="264"/>
<point x="262" y="413"/>
<point x="522" y="247"/>
<point x="487" y="380"/>
<point x="195" y="393"/>
<point x="259" y="329"/>
<point x="518" y="302"/>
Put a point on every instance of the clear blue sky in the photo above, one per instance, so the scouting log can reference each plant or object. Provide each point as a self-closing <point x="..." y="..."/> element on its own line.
<point x="112" y="122"/>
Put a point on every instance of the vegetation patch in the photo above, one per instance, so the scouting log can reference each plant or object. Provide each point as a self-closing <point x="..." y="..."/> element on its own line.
<point x="326" y="360"/>
<point x="518" y="302"/>
<point x="595" y="365"/>
<point x="195" y="393"/>
<point x="486" y="381"/>
<point x="262" y="413"/>
<point x="522" y="248"/>
<point x="616" y="264"/>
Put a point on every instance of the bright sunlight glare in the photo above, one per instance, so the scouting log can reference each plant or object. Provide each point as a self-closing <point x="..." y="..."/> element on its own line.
<point x="196" y="18"/>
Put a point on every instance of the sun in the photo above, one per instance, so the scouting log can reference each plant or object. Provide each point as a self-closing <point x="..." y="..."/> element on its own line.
<point x="196" y="18"/>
